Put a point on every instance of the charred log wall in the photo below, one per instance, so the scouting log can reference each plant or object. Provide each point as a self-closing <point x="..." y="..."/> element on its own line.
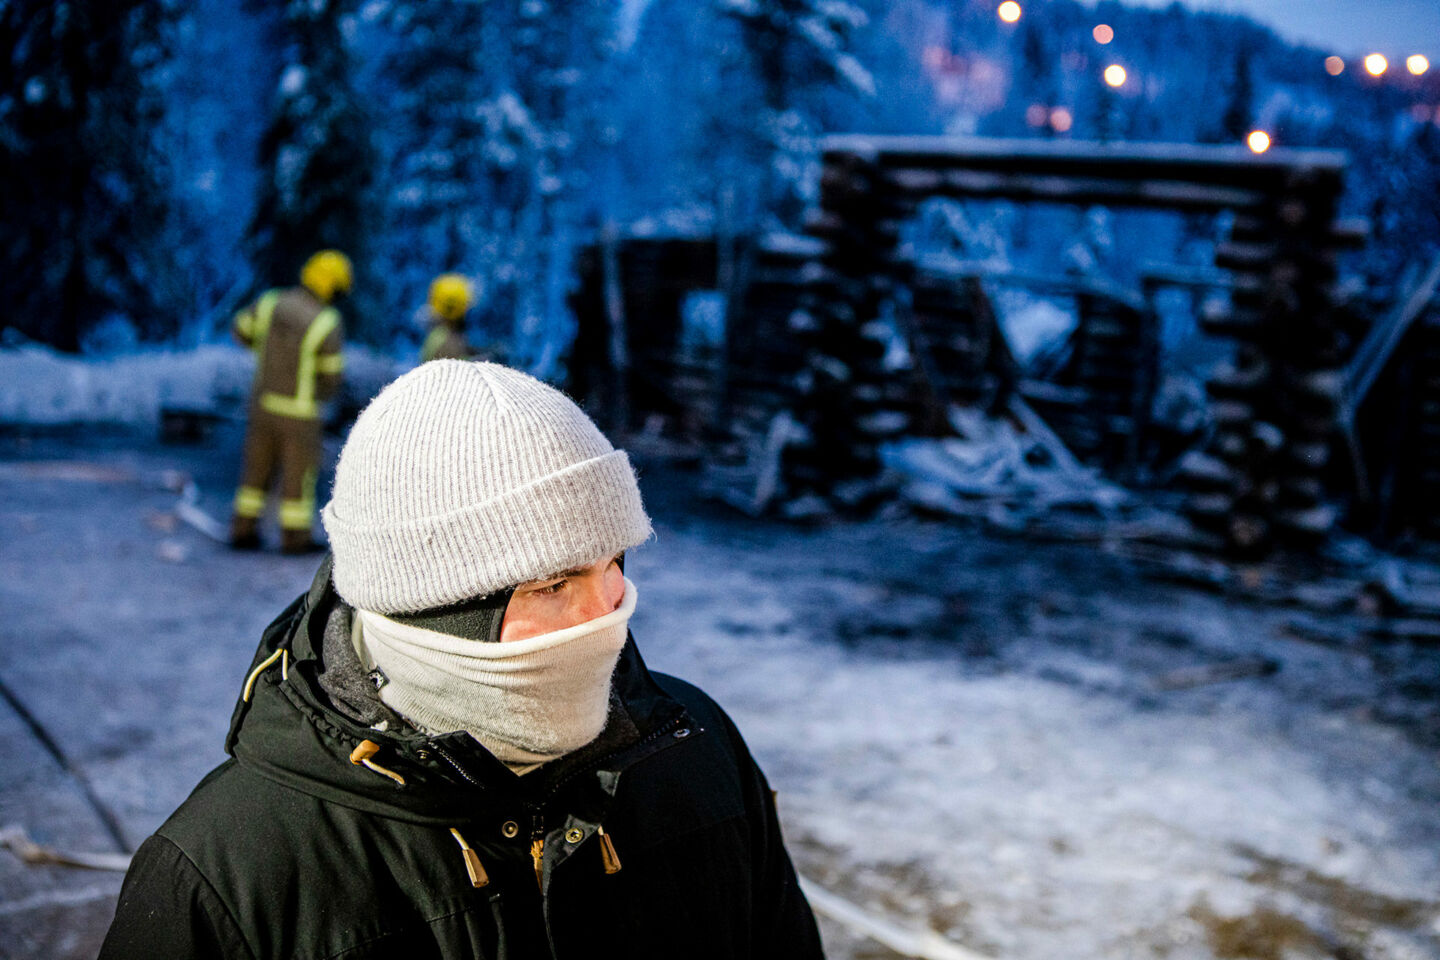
<point x="1264" y="479"/>
<point x="654" y="276"/>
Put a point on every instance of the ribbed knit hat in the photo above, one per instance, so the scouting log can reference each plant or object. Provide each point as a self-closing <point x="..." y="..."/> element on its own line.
<point x="463" y="478"/>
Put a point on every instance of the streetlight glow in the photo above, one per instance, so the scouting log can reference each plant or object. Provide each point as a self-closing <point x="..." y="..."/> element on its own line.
<point x="1334" y="66"/>
<point x="1115" y="75"/>
<point x="1417" y="64"/>
<point x="1375" y="64"/>
<point x="1103" y="33"/>
<point x="1061" y="120"/>
<point x="1009" y="11"/>
<point x="1258" y="141"/>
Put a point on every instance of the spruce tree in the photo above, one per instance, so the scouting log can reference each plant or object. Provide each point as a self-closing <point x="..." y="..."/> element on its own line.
<point x="494" y="100"/>
<point x="556" y="49"/>
<point x="1239" y="106"/>
<point x="84" y="203"/>
<point x="438" y="202"/>
<point x="316" y="156"/>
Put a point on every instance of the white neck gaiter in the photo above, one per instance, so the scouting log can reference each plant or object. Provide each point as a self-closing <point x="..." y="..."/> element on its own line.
<point x="526" y="701"/>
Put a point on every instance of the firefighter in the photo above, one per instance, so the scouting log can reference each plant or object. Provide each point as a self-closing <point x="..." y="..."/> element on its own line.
<point x="295" y="334"/>
<point x="451" y="297"/>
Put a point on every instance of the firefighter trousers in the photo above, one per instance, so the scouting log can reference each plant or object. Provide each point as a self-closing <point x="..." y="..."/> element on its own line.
<point x="290" y="447"/>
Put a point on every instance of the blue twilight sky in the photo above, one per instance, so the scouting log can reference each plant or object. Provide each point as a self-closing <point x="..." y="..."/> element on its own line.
<point x="1396" y="28"/>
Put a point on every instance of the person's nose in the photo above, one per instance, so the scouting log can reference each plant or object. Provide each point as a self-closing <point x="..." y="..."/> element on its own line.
<point x="606" y="594"/>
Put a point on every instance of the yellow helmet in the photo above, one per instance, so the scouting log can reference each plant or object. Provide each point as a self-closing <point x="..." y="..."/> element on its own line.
<point x="326" y="273"/>
<point x="450" y="296"/>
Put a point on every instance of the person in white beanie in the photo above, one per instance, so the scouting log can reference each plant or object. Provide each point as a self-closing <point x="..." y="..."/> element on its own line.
<point x="450" y="746"/>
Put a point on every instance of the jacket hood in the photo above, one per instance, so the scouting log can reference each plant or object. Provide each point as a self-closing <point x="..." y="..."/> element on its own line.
<point x="286" y="728"/>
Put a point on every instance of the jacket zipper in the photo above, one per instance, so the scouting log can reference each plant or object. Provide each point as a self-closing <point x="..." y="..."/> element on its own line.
<point x="537" y="848"/>
<point x="537" y="820"/>
<point x="456" y="765"/>
<point x="608" y="856"/>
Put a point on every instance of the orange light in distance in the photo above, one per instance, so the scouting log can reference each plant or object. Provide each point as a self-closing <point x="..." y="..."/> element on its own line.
<point x="1417" y="64"/>
<point x="1009" y="11"/>
<point x="1375" y="65"/>
<point x="1258" y="141"/>
<point x="1115" y="75"/>
<point x="1061" y="120"/>
<point x="1334" y="66"/>
<point x="1103" y="33"/>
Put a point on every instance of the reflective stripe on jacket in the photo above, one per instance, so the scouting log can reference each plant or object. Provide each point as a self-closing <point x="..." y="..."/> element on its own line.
<point x="297" y="343"/>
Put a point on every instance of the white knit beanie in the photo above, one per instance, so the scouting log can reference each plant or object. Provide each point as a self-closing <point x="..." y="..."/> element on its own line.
<point x="463" y="478"/>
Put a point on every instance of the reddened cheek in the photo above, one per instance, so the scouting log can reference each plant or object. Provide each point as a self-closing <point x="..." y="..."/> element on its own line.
<point x="615" y="586"/>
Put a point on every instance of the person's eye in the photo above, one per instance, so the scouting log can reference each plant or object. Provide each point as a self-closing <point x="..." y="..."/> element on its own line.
<point x="550" y="588"/>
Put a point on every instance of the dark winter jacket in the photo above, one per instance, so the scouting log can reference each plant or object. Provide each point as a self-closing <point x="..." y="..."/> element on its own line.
<point x="299" y="847"/>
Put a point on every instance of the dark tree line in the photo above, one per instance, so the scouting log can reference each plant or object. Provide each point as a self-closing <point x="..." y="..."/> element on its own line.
<point x="84" y="204"/>
<point x="492" y="137"/>
<point x="316" y="160"/>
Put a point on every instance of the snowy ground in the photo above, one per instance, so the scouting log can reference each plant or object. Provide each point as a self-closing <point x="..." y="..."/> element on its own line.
<point x="966" y="733"/>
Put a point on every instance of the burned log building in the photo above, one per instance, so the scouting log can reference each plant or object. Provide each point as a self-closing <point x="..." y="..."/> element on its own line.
<point x="840" y="340"/>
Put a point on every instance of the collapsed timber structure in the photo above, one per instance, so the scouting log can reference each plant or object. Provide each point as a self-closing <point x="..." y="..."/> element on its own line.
<point x="841" y="341"/>
<point x="1264" y="476"/>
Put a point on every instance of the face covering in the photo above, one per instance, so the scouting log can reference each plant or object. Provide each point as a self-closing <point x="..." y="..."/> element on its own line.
<point x="527" y="701"/>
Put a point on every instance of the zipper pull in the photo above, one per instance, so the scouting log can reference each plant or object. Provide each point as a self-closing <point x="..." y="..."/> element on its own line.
<point x="473" y="866"/>
<point x="607" y="852"/>
<point x="537" y="853"/>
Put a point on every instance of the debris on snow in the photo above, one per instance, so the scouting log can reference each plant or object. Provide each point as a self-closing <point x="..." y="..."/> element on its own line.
<point x="1003" y="469"/>
<point x="189" y="510"/>
<point x="922" y="944"/>
<point x="70" y="471"/>
<point x="1188" y="677"/>
<point x="19" y="843"/>
<point x="172" y="551"/>
<point x="161" y="522"/>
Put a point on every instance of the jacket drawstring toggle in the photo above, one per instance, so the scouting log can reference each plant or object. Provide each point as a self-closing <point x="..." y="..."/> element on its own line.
<point x="478" y="876"/>
<point x="361" y="756"/>
<point x="608" y="857"/>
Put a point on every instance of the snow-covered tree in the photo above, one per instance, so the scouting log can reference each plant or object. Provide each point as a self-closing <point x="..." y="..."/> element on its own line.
<point x="796" y="48"/>
<point x="316" y="156"/>
<point x="217" y="96"/>
<point x="84" y="200"/>
<point x="437" y="202"/>
<point x="492" y="102"/>
<point x="556" y="51"/>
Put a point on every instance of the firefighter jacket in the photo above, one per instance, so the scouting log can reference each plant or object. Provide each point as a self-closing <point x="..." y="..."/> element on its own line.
<point x="296" y="339"/>
<point x="323" y="837"/>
